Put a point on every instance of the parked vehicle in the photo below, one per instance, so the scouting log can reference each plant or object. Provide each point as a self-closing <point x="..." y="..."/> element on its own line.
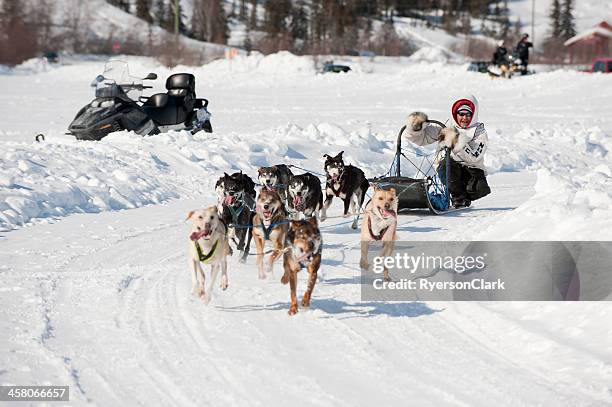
<point x="118" y="105"/>
<point x="603" y="65"/>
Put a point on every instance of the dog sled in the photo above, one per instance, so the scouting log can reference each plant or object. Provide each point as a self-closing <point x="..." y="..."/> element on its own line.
<point x="427" y="188"/>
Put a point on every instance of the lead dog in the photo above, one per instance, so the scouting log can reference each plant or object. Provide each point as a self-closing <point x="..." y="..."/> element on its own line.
<point x="207" y="244"/>
<point x="276" y="178"/>
<point x="305" y="196"/>
<point x="236" y="194"/>
<point x="269" y="225"/>
<point x="345" y="182"/>
<point x="302" y="249"/>
<point x="379" y="224"/>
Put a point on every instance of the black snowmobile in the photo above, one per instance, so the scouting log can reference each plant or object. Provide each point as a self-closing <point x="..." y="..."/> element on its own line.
<point x="119" y="106"/>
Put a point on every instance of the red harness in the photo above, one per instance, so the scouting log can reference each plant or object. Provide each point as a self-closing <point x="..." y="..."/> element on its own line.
<point x="372" y="235"/>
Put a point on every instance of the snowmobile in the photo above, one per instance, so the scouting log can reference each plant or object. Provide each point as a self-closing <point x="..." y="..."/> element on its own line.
<point x="119" y="105"/>
<point x="510" y="65"/>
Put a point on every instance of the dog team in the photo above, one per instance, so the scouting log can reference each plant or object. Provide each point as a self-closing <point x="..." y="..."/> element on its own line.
<point x="284" y="216"/>
<point x="287" y="211"/>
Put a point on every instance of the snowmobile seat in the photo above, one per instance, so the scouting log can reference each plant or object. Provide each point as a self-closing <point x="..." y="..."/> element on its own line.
<point x="157" y="100"/>
<point x="175" y="106"/>
<point x="181" y="85"/>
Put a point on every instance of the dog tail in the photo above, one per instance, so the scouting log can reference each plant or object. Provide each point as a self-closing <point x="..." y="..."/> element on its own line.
<point x="365" y="185"/>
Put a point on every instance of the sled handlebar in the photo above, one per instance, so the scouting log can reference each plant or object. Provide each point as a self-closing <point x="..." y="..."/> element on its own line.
<point x="439" y="123"/>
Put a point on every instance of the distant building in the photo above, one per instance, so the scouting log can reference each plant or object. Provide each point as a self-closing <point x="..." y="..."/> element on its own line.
<point x="593" y="43"/>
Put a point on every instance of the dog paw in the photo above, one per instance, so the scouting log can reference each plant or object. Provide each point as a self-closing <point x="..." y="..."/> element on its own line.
<point x="364" y="264"/>
<point x="285" y="278"/>
<point x="206" y="299"/>
<point x="224" y="283"/>
<point x="305" y="302"/>
<point x="293" y="309"/>
<point x="242" y="260"/>
<point x="323" y="217"/>
<point x="354" y="226"/>
<point x="200" y="292"/>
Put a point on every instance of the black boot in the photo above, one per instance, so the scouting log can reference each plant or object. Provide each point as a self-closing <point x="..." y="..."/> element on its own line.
<point x="461" y="203"/>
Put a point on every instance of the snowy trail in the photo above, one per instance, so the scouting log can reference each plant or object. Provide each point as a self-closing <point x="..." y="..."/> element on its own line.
<point x="95" y="285"/>
<point x="112" y="291"/>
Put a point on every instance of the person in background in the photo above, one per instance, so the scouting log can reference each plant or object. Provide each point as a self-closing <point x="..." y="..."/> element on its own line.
<point x="522" y="49"/>
<point x="499" y="56"/>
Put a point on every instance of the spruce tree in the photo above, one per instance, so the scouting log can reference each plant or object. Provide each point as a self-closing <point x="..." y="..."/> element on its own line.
<point x="568" y="27"/>
<point x="161" y="15"/>
<point x="253" y="17"/>
<point x="122" y="4"/>
<point x="143" y="10"/>
<point x="555" y="19"/>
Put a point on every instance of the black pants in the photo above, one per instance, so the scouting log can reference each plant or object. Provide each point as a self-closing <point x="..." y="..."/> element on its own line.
<point x="464" y="182"/>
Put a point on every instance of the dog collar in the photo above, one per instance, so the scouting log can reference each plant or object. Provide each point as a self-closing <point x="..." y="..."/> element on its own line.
<point x="205" y="258"/>
<point x="372" y="235"/>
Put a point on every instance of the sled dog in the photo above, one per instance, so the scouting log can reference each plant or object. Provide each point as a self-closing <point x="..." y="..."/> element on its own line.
<point x="305" y="196"/>
<point x="208" y="244"/>
<point x="275" y="177"/>
<point x="345" y="182"/>
<point x="302" y="249"/>
<point x="379" y="224"/>
<point x="236" y="194"/>
<point x="269" y="225"/>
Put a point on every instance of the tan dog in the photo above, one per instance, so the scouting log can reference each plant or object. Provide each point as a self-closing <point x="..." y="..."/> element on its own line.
<point x="269" y="225"/>
<point x="208" y="244"/>
<point x="379" y="224"/>
<point x="303" y="249"/>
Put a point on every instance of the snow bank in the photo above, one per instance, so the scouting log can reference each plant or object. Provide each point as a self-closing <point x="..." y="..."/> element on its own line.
<point x="47" y="180"/>
<point x="282" y="63"/>
<point x="573" y="199"/>
<point x="433" y="54"/>
<point x="565" y="207"/>
<point x="124" y="170"/>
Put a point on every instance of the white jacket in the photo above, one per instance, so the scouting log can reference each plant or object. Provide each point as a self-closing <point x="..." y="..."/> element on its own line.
<point x="472" y="142"/>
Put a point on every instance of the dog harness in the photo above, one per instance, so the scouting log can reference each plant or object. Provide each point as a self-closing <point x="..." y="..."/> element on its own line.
<point x="267" y="230"/>
<point x="205" y="258"/>
<point x="331" y="184"/>
<point x="372" y="235"/>
<point x="235" y="212"/>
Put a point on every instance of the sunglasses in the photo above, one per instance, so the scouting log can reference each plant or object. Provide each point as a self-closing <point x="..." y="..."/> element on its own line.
<point x="464" y="114"/>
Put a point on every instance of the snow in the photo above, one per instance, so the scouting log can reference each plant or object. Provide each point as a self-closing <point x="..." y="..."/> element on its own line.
<point x="93" y="267"/>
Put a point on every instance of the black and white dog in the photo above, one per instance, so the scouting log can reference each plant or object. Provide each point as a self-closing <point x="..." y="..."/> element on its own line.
<point x="236" y="195"/>
<point x="345" y="182"/>
<point x="305" y="196"/>
<point x="276" y="178"/>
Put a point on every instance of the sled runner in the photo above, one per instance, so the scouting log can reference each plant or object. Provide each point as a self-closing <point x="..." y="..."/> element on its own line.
<point x="428" y="187"/>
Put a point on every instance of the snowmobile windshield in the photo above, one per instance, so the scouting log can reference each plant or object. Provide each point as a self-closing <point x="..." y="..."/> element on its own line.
<point x="116" y="81"/>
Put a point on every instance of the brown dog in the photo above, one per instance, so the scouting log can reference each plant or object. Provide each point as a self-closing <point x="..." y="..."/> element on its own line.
<point x="379" y="224"/>
<point x="269" y="224"/>
<point x="303" y="249"/>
